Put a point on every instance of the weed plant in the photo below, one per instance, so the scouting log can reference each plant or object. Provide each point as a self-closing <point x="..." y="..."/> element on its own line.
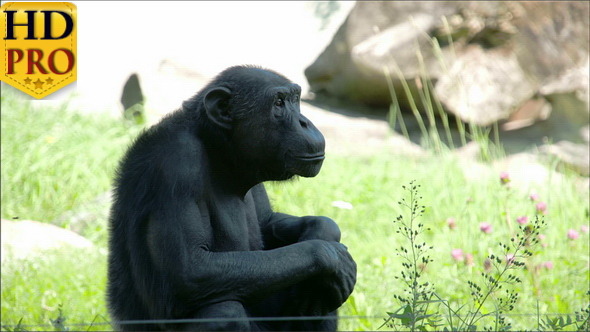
<point x="417" y="295"/>
<point x="421" y="306"/>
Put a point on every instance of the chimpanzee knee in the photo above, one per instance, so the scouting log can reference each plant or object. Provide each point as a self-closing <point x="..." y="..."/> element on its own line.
<point x="320" y="228"/>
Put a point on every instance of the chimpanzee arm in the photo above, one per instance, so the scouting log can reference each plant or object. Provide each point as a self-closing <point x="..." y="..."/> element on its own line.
<point x="179" y="250"/>
<point x="318" y="295"/>
<point x="279" y="229"/>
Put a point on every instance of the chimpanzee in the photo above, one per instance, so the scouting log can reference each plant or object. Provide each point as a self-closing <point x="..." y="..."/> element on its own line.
<point x="192" y="232"/>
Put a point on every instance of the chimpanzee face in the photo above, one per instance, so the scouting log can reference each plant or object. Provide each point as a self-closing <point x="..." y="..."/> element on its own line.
<point x="279" y="138"/>
<point x="259" y="109"/>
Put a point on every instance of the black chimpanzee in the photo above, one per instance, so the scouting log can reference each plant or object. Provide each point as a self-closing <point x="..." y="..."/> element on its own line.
<point x="192" y="233"/>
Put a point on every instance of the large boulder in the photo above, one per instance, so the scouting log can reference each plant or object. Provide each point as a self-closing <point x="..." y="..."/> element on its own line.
<point x="374" y="35"/>
<point x="484" y="86"/>
<point x="486" y="60"/>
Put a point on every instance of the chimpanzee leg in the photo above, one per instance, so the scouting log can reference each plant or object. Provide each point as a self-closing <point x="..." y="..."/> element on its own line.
<point x="231" y="316"/>
<point x="291" y="302"/>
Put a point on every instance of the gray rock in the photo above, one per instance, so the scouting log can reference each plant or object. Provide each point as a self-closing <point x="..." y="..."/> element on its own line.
<point x="374" y="35"/>
<point x="552" y="41"/>
<point x="26" y="238"/>
<point x="353" y="134"/>
<point x="91" y="214"/>
<point x="571" y="155"/>
<point x="482" y="87"/>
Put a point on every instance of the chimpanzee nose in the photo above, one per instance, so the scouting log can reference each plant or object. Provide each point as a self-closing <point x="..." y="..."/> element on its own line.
<point x="303" y="122"/>
<point x="313" y="136"/>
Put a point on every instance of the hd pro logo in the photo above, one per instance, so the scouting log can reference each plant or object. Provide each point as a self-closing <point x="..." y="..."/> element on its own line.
<point x="38" y="46"/>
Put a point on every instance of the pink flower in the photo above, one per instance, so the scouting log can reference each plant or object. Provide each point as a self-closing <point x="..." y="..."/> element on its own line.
<point x="504" y="178"/>
<point x="572" y="234"/>
<point x="548" y="265"/>
<point x="485" y="227"/>
<point x="534" y="197"/>
<point x="457" y="255"/>
<point x="541" y="207"/>
<point x="585" y="228"/>
<point x="451" y="223"/>
<point x="522" y="220"/>
<point x="469" y="260"/>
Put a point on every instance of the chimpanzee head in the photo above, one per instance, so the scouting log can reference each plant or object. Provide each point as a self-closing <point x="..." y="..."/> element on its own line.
<point x="258" y="112"/>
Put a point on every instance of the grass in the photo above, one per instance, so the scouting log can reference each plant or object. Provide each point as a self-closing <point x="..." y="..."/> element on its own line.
<point x="54" y="160"/>
<point x="369" y="233"/>
<point x="35" y="290"/>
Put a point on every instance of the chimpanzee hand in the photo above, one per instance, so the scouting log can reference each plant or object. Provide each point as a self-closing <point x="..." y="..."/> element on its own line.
<point x="326" y="292"/>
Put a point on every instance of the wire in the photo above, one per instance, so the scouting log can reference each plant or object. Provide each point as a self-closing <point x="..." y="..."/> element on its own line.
<point x="200" y="320"/>
<point x="251" y="319"/>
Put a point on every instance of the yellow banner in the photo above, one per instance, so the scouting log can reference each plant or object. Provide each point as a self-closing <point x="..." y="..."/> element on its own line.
<point x="39" y="53"/>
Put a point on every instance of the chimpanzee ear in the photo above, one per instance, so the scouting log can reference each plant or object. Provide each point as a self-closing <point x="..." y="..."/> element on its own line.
<point x="217" y="107"/>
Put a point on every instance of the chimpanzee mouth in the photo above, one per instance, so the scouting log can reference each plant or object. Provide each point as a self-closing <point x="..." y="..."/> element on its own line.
<point x="314" y="157"/>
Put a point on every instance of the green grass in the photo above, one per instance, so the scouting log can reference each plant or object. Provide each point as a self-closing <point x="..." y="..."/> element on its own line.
<point x="369" y="233"/>
<point x="74" y="281"/>
<point x="54" y="160"/>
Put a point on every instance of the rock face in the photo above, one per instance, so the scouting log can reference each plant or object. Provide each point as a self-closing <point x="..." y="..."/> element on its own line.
<point x="351" y="67"/>
<point x="486" y="60"/>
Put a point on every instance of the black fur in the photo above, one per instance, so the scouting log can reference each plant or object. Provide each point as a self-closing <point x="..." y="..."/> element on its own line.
<point x="192" y="233"/>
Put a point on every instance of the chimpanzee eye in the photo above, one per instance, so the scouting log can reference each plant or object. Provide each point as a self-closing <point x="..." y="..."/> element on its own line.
<point x="280" y="102"/>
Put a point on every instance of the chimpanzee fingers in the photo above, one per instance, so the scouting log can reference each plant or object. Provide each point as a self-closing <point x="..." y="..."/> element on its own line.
<point x="347" y="265"/>
<point x="345" y="279"/>
<point x="339" y="291"/>
<point x="350" y="279"/>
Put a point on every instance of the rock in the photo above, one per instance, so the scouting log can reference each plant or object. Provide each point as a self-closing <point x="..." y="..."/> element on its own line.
<point x="167" y="86"/>
<point x="26" y="238"/>
<point x="472" y="87"/>
<point x="527" y="114"/>
<point x="133" y="99"/>
<point x="471" y="151"/>
<point x="572" y="80"/>
<point x="527" y="170"/>
<point x="89" y="215"/>
<point x="373" y="35"/>
<point x="571" y="155"/>
<point x="141" y="46"/>
<point x="552" y="44"/>
<point x="502" y="55"/>
<point x="357" y="135"/>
